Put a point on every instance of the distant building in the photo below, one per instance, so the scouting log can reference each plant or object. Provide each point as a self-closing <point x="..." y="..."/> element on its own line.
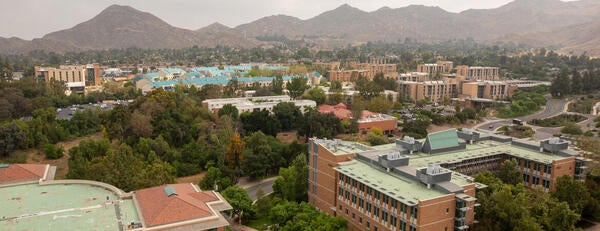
<point x="433" y="91"/>
<point x="33" y="200"/>
<point x="88" y="74"/>
<point x="494" y="90"/>
<point x="426" y="184"/>
<point x="250" y="104"/>
<point x="414" y="77"/>
<point x="434" y="68"/>
<point x="369" y="120"/>
<point x="477" y="73"/>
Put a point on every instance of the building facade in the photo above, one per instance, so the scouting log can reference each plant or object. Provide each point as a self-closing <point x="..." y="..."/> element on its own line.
<point x="478" y="73"/>
<point x="434" y="68"/>
<point x="88" y="74"/>
<point x="433" y="91"/>
<point x="418" y="186"/>
<point x="494" y="90"/>
<point x="249" y="104"/>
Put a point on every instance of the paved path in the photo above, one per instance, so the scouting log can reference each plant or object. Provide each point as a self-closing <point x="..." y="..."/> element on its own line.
<point x="252" y="187"/>
<point x="553" y="107"/>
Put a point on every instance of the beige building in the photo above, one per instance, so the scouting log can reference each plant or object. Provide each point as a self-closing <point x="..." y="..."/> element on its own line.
<point x="414" y="76"/>
<point x="433" y="68"/>
<point x="349" y="75"/>
<point x="433" y="91"/>
<point x="477" y="73"/>
<point x="488" y="90"/>
<point x="88" y="74"/>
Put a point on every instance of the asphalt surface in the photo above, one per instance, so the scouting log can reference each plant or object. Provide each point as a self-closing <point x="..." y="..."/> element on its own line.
<point x="266" y="185"/>
<point x="553" y="107"/>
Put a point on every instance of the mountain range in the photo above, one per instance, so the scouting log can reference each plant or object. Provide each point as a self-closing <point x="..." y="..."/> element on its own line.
<point x="567" y="26"/>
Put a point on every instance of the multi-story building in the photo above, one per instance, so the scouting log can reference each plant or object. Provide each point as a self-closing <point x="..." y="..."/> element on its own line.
<point x="477" y="73"/>
<point x="414" y="77"/>
<point x="433" y="69"/>
<point x="350" y="75"/>
<point x="433" y="91"/>
<point x="250" y="104"/>
<point x="423" y="185"/>
<point x="88" y="74"/>
<point x="33" y="200"/>
<point x="488" y="90"/>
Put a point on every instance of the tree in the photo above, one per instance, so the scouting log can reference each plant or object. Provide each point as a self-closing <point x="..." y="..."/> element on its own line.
<point x="572" y="129"/>
<point x="571" y="191"/>
<point x="234" y="153"/>
<point x="287" y="113"/>
<point x="317" y="94"/>
<point x="509" y="173"/>
<point x="561" y="85"/>
<point x="215" y="180"/>
<point x="296" y="87"/>
<point x="576" y="83"/>
<point x="292" y="183"/>
<point x="239" y="200"/>
<point x="277" y="85"/>
<point x="229" y="110"/>
<point x="550" y="213"/>
<point x="256" y="156"/>
<point x="11" y="137"/>
<point x="261" y="120"/>
<point x="367" y="89"/>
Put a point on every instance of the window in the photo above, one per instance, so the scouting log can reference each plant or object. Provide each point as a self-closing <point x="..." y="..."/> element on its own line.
<point x="375" y="228"/>
<point x="376" y="195"/>
<point x="376" y="212"/>
<point x="360" y="202"/>
<point x="384" y="216"/>
<point x="368" y="207"/>
<point x="526" y="178"/>
<point x="394" y="203"/>
<point x="413" y="212"/>
<point x="361" y="187"/>
<point x="353" y="215"/>
<point x="341" y="190"/>
<point x="393" y="220"/>
<point x="347" y="195"/>
<point x="412" y="228"/>
<point x="346" y="211"/>
<point x="536" y="180"/>
<point x="548" y="169"/>
<point x="402" y="226"/>
<point x="360" y="220"/>
<point x="546" y="184"/>
<point x="447" y="210"/>
<point x="369" y="190"/>
<point x="536" y="167"/>
<point x="527" y="164"/>
<point x="353" y="199"/>
<point x="384" y="199"/>
<point x="368" y="224"/>
<point x="403" y="208"/>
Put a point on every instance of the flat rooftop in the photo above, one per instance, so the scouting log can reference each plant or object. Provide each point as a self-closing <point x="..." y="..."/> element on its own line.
<point x="63" y="207"/>
<point x="407" y="191"/>
<point x="482" y="149"/>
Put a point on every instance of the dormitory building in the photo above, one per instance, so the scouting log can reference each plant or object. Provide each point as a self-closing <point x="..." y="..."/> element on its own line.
<point x="421" y="185"/>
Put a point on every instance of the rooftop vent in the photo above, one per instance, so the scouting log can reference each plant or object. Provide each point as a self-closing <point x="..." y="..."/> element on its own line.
<point x="170" y="191"/>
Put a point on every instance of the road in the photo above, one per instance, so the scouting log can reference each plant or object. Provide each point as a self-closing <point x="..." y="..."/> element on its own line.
<point x="253" y="187"/>
<point x="553" y="107"/>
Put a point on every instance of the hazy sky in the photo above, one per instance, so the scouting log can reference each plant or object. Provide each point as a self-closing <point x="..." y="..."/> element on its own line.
<point x="29" y="19"/>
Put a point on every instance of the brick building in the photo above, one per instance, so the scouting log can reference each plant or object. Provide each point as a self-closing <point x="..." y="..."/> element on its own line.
<point x="434" y="68"/>
<point x="424" y="185"/>
<point x="434" y="91"/>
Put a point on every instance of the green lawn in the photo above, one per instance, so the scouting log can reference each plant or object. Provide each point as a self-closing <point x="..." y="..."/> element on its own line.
<point x="260" y="223"/>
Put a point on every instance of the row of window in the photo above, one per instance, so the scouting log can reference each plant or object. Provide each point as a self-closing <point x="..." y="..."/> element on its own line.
<point x="536" y="181"/>
<point x="393" y="221"/>
<point x="536" y="166"/>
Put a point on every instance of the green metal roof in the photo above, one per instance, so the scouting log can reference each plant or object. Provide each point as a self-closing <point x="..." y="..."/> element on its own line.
<point x="170" y="191"/>
<point x="443" y="139"/>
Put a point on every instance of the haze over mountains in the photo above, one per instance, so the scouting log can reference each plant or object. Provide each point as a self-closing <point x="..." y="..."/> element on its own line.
<point x="570" y="26"/>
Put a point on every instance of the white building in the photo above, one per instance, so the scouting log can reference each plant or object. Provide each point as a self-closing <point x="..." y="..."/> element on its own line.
<point x="250" y="104"/>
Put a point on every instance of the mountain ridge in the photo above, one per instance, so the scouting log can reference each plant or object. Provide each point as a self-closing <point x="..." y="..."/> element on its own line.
<point x="120" y="26"/>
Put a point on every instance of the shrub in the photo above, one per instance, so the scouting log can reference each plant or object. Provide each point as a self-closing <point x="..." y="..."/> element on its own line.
<point x="572" y="129"/>
<point x="53" y="152"/>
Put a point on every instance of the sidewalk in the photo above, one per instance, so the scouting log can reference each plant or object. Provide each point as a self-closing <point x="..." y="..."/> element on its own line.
<point x="245" y="182"/>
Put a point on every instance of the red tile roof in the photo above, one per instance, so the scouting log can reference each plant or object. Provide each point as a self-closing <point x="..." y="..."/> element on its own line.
<point x="340" y="110"/>
<point x="157" y="208"/>
<point x="20" y="172"/>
